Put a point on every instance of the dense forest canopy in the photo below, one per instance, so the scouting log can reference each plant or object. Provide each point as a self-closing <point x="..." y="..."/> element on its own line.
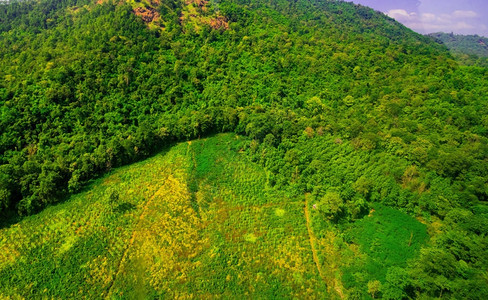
<point x="467" y="44"/>
<point x="339" y="101"/>
<point x="467" y="49"/>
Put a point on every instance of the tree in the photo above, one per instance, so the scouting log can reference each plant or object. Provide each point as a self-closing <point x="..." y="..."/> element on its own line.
<point x="5" y="188"/>
<point x="363" y="186"/>
<point x="396" y="281"/>
<point x="113" y="198"/>
<point x="331" y="204"/>
<point x="374" y="286"/>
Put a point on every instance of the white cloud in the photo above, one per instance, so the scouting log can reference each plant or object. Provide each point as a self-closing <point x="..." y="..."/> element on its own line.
<point x="460" y="21"/>
<point x="428" y="17"/>
<point x="401" y="15"/>
<point x="463" y="25"/>
<point x="464" y="14"/>
<point x="444" y="18"/>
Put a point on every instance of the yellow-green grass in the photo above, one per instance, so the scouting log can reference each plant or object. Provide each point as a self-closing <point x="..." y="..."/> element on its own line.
<point x="197" y="220"/>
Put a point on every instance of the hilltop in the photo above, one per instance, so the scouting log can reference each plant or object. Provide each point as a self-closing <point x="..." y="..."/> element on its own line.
<point x="374" y="132"/>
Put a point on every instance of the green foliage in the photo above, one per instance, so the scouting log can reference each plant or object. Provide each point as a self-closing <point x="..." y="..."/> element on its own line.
<point x="468" y="49"/>
<point x="374" y="287"/>
<point x="331" y="204"/>
<point x="137" y="233"/>
<point x="339" y="102"/>
<point x="102" y="98"/>
<point x="389" y="238"/>
<point x="395" y="282"/>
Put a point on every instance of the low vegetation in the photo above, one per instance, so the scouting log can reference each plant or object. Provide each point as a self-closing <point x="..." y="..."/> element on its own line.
<point x="360" y="169"/>
<point x="201" y="220"/>
<point x="196" y="220"/>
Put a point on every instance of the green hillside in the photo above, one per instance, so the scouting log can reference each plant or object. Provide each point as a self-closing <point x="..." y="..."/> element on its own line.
<point x="467" y="44"/>
<point x="197" y="220"/>
<point x="95" y="88"/>
<point x="469" y="49"/>
<point x="360" y="170"/>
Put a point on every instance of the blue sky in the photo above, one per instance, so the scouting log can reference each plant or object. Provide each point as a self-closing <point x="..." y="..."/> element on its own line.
<point x="426" y="16"/>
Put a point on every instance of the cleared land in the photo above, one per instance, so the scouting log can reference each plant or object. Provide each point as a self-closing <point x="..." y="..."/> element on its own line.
<point x="197" y="220"/>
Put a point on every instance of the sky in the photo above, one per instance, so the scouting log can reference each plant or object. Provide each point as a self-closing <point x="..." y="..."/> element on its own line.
<point x="427" y="16"/>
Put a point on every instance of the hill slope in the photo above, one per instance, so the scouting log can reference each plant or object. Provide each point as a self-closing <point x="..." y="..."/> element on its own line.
<point x="346" y="111"/>
<point x="469" y="49"/>
<point x="96" y="88"/>
<point x="467" y="44"/>
<point x="198" y="220"/>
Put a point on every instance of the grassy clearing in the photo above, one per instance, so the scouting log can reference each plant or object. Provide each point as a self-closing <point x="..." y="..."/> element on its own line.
<point x="196" y="221"/>
<point x="387" y="239"/>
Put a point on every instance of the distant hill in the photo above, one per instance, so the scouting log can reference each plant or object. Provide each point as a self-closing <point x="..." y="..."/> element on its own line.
<point x="470" y="49"/>
<point x="467" y="44"/>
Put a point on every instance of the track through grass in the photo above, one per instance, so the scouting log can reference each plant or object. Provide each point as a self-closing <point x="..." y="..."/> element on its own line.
<point x="312" y="237"/>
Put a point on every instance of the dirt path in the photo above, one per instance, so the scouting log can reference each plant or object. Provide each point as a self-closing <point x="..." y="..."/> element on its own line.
<point x="329" y="277"/>
<point x="313" y="239"/>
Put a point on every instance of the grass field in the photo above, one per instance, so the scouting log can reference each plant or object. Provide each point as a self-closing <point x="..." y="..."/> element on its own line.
<point x="387" y="239"/>
<point x="196" y="220"/>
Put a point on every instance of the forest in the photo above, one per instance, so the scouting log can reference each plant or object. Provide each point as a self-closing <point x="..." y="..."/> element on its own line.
<point x="467" y="49"/>
<point x="337" y="102"/>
